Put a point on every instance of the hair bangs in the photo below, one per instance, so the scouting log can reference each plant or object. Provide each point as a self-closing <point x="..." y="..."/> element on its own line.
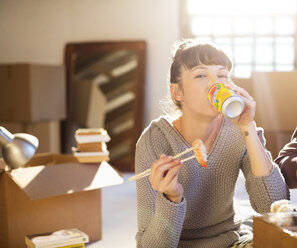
<point x="204" y="55"/>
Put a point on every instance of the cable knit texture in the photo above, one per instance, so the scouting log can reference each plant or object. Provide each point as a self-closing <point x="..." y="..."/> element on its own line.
<point x="205" y="217"/>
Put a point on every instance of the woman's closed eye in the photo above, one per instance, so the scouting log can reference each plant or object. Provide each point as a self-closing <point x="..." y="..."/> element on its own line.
<point x="222" y="76"/>
<point x="200" y="76"/>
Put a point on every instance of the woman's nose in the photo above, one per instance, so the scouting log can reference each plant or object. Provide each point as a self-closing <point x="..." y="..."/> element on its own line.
<point x="213" y="79"/>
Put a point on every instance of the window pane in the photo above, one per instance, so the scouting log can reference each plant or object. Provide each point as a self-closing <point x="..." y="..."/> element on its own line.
<point x="255" y="34"/>
<point x="284" y="54"/>
<point x="285" y="40"/>
<point x="263" y="54"/>
<point x="202" y="26"/>
<point x="243" y="26"/>
<point x="242" y="41"/>
<point x="227" y="49"/>
<point x="265" y="40"/>
<point x="243" y="54"/>
<point x="242" y="71"/>
<point x="264" y="26"/>
<point x="263" y="68"/>
<point x="284" y="68"/>
<point x="222" y="26"/>
<point x="225" y="44"/>
<point x="284" y="25"/>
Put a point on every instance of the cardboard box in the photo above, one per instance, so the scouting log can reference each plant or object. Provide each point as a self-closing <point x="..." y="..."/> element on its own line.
<point x="52" y="192"/>
<point x="89" y="104"/>
<point x="268" y="235"/>
<point x="275" y="94"/>
<point x="32" y="92"/>
<point x="47" y="132"/>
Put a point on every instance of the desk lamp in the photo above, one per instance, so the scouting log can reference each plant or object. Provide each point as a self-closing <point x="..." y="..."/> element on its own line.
<point x="17" y="148"/>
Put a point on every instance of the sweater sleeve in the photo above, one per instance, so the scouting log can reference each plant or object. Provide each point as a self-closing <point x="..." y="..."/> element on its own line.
<point x="264" y="190"/>
<point x="287" y="161"/>
<point x="160" y="221"/>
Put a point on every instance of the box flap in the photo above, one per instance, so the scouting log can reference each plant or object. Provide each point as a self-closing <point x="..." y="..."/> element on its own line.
<point x="44" y="181"/>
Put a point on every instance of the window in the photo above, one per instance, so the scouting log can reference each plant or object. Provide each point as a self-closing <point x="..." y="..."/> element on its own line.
<point x="258" y="35"/>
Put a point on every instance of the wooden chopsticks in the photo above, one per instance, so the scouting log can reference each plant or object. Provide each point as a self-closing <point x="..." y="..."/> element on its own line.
<point x="148" y="171"/>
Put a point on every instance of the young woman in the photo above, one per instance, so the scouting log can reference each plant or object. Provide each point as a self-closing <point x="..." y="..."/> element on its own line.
<point x="187" y="205"/>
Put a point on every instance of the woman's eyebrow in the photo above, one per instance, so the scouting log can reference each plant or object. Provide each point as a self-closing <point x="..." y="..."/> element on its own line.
<point x="205" y="68"/>
<point x="198" y="67"/>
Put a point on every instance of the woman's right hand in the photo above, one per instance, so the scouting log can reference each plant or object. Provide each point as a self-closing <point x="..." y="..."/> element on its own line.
<point x="164" y="175"/>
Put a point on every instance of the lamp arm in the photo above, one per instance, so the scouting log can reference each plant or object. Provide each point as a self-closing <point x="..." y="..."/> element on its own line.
<point x="5" y="136"/>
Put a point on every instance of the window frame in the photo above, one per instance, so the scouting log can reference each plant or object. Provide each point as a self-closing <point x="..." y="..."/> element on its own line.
<point x="186" y="32"/>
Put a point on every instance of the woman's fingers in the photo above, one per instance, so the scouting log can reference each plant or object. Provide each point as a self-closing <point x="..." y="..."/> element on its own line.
<point x="170" y="186"/>
<point x="237" y="89"/>
<point x="172" y="173"/>
<point x="163" y="158"/>
<point x="160" y="162"/>
<point x="163" y="171"/>
<point x="172" y="176"/>
<point x="164" y="175"/>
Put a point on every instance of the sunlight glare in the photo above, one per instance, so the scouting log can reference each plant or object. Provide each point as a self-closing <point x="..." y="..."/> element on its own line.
<point x="201" y="26"/>
<point x="284" y="25"/>
<point x="284" y="54"/>
<point x="285" y="68"/>
<point x="263" y="54"/>
<point x="263" y="68"/>
<point x="243" y="26"/>
<point x="264" y="26"/>
<point x="222" y="26"/>
<point x="243" y="54"/>
<point x="242" y="71"/>
<point x="234" y="7"/>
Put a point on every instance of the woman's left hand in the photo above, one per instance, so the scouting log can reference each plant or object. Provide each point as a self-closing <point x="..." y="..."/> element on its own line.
<point x="248" y="114"/>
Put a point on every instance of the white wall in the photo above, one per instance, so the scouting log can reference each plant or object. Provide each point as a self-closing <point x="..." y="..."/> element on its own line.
<point x="37" y="31"/>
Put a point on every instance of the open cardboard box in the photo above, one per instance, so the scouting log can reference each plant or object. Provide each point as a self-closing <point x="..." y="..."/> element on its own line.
<point x="52" y="192"/>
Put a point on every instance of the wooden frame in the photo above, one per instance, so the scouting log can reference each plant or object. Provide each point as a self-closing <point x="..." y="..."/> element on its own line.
<point x="75" y="53"/>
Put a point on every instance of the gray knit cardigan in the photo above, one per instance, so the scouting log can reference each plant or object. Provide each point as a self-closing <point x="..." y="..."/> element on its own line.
<point x="205" y="217"/>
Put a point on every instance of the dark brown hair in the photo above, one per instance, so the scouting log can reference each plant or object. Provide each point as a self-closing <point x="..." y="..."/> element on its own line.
<point x="189" y="53"/>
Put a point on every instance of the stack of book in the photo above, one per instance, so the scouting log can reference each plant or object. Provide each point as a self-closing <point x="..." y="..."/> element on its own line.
<point x="68" y="238"/>
<point x="91" y="145"/>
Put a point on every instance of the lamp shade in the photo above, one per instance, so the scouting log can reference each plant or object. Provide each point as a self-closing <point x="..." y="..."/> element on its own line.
<point x="18" y="148"/>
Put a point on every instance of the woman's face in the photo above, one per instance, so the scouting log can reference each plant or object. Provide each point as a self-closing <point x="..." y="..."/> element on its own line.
<point x="195" y="84"/>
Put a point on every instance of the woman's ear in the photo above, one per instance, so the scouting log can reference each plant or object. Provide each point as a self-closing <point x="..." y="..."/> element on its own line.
<point x="176" y="92"/>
